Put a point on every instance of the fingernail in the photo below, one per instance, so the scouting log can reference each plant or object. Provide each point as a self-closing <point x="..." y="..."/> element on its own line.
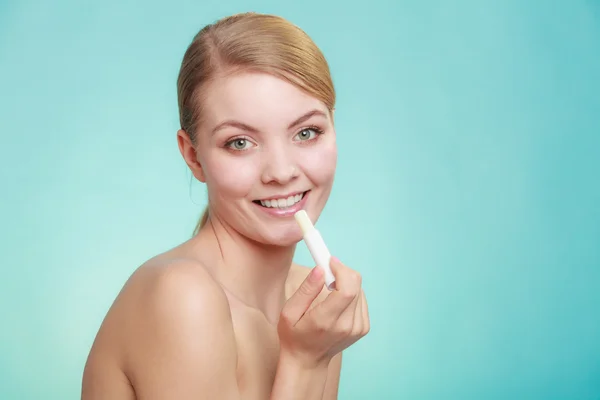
<point x="335" y="259"/>
<point x="315" y="274"/>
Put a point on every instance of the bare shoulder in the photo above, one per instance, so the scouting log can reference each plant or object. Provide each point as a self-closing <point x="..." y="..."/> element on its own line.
<point x="178" y="287"/>
<point x="170" y="332"/>
<point x="180" y="292"/>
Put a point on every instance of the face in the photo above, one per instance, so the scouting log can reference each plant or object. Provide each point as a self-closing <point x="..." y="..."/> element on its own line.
<point x="265" y="150"/>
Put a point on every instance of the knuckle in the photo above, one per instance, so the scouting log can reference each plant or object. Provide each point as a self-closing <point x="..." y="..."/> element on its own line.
<point x="321" y="326"/>
<point x="347" y="294"/>
<point x="305" y="289"/>
<point x="367" y="328"/>
<point x="285" y="316"/>
<point x="346" y="328"/>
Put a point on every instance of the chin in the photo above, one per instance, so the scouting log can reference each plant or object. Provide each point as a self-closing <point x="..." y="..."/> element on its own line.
<point x="280" y="236"/>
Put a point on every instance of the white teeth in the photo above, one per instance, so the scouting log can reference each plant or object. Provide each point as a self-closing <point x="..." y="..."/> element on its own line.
<point x="282" y="203"/>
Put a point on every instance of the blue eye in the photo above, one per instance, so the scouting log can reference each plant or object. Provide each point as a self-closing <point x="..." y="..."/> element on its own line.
<point x="238" y="144"/>
<point x="308" y="134"/>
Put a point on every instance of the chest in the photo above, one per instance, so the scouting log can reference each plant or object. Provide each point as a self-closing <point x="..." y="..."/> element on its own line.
<point x="258" y="354"/>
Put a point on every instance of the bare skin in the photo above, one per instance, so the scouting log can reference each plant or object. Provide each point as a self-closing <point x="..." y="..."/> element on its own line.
<point x="164" y="304"/>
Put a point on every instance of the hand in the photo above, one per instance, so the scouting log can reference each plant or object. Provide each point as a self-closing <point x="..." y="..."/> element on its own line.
<point x="313" y="336"/>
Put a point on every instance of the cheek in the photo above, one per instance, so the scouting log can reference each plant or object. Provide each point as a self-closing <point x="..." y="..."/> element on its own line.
<point x="230" y="175"/>
<point x="320" y="163"/>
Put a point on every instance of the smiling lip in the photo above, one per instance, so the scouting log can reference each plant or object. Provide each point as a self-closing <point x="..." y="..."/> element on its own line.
<point x="287" y="211"/>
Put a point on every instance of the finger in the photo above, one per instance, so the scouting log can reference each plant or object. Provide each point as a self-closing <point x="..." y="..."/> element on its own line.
<point x="365" y="314"/>
<point x="359" y="322"/>
<point x="350" y="319"/>
<point x="301" y="300"/>
<point x="344" y="276"/>
<point x="347" y="289"/>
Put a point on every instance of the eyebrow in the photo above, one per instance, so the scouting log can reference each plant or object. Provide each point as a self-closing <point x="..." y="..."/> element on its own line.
<point x="248" y="128"/>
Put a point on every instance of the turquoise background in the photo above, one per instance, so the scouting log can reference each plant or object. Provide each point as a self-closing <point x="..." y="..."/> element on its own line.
<point x="468" y="190"/>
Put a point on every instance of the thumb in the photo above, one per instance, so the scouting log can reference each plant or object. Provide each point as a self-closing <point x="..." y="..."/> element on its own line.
<point x="308" y="291"/>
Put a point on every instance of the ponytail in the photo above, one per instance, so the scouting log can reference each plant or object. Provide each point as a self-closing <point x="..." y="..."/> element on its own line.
<point x="202" y="221"/>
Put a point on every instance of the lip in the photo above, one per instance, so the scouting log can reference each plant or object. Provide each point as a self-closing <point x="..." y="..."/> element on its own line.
<point x="288" y="212"/>
<point x="283" y="196"/>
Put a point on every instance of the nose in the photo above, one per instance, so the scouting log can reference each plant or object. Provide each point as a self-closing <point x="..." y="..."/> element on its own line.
<point x="279" y="167"/>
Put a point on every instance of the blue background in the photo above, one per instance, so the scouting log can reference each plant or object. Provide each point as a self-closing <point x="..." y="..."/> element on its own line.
<point x="468" y="190"/>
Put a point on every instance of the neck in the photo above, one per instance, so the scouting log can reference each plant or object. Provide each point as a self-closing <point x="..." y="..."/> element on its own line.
<point x="254" y="273"/>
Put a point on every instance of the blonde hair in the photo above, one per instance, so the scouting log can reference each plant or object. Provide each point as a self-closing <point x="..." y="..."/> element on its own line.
<point x="249" y="42"/>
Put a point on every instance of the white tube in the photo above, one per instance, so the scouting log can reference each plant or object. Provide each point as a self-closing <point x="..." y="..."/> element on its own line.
<point x="316" y="245"/>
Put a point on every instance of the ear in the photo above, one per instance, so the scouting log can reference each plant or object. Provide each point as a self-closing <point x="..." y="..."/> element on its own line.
<point x="189" y="154"/>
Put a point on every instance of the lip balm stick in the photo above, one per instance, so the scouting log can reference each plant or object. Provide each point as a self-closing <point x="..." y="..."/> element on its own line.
<point x="316" y="246"/>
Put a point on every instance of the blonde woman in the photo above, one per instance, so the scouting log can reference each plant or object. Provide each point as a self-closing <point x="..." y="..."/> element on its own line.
<point x="227" y="314"/>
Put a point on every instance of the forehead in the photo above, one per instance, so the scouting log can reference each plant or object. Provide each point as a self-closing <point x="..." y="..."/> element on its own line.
<point x="258" y="99"/>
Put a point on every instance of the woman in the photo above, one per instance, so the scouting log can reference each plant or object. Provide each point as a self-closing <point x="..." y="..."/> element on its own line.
<point x="227" y="315"/>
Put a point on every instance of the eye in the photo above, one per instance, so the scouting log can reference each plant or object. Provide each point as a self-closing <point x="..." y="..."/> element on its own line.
<point x="239" y="144"/>
<point x="308" y="134"/>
